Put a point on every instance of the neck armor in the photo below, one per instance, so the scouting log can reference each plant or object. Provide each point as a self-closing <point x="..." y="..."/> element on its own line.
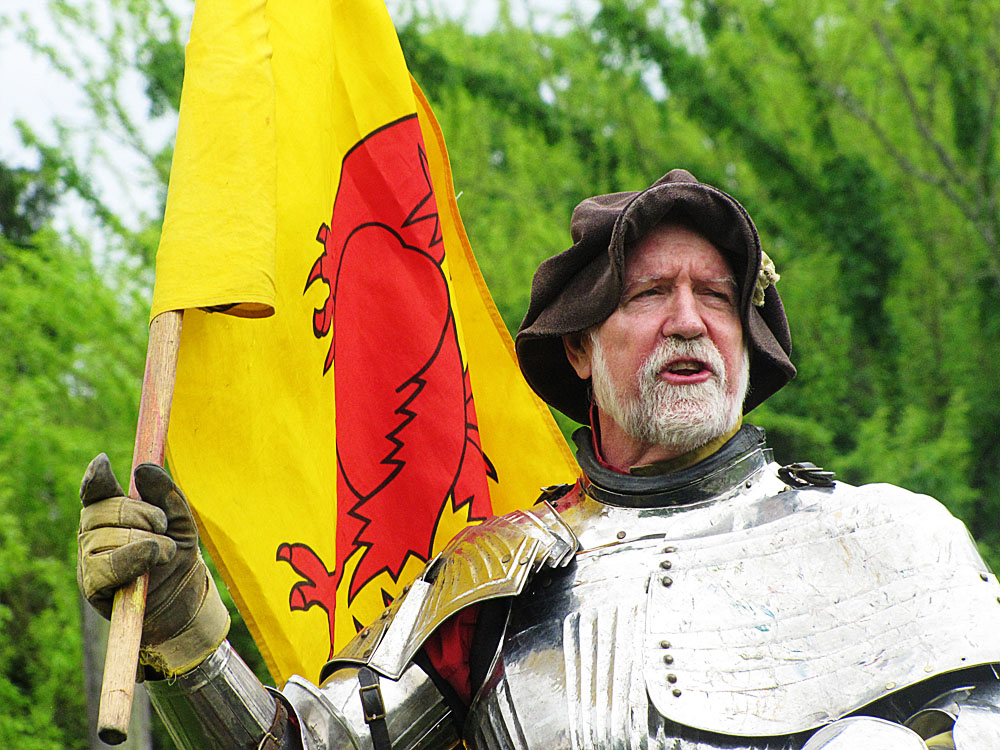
<point x="739" y="458"/>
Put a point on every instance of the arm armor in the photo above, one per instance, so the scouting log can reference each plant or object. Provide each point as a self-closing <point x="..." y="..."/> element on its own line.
<point x="494" y="559"/>
<point x="963" y="718"/>
<point x="864" y="732"/>
<point x="221" y="705"/>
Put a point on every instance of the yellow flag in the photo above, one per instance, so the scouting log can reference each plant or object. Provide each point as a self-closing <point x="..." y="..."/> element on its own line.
<point x="360" y="401"/>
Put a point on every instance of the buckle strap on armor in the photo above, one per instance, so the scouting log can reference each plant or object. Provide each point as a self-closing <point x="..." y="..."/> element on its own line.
<point x="373" y="708"/>
<point x="804" y="474"/>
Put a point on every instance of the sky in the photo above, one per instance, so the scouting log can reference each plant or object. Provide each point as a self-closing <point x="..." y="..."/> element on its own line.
<point x="31" y="90"/>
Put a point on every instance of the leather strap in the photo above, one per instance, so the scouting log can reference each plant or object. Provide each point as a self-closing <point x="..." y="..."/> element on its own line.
<point x="373" y="708"/>
<point x="273" y="739"/>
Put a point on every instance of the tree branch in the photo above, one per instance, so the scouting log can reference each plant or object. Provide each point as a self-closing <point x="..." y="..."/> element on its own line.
<point x="989" y="126"/>
<point x="922" y="127"/>
<point x="989" y="122"/>
<point x="968" y="210"/>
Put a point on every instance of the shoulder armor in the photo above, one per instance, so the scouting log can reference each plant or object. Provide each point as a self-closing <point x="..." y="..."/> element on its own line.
<point x="494" y="559"/>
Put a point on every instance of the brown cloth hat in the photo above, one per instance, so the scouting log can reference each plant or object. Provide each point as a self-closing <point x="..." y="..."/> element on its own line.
<point x="581" y="287"/>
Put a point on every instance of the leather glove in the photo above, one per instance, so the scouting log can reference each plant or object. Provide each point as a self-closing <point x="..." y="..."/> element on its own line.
<point x="120" y="539"/>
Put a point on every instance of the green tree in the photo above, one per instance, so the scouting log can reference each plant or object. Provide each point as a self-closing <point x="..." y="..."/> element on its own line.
<point x="68" y="376"/>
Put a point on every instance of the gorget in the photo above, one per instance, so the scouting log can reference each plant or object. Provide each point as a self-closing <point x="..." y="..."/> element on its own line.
<point x="720" y="602"/>
<point x="735" y="461"/>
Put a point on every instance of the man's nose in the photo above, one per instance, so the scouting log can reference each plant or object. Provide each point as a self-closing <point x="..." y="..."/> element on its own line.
<point x="683" y="318"/>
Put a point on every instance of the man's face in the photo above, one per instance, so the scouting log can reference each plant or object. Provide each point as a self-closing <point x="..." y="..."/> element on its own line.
<point x="669" y="366"/>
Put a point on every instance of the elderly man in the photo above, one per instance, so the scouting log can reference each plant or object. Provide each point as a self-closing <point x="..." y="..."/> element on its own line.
<point x="687" y="593"/>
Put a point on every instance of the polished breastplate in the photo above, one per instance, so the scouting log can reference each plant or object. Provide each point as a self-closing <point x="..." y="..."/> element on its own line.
<point x="743" y="620"/>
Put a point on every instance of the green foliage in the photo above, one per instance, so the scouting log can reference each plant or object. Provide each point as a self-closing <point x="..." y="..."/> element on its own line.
<point x="162" y="65"/>
<point x="41" y="708"/>
<point x="25" y="203"/>
<point x="861" y="137"/>
<point x="69" y="373"/>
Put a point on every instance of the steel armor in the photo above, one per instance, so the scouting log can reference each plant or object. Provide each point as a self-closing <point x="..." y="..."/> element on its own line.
<point x="768" y="614"/>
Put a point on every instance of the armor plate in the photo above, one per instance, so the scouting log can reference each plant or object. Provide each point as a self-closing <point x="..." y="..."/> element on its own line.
<point x="765" y="612"/>
<point x="864" y="732"/>
<point x="978" y="722"/>
<point x="494" y="559"/>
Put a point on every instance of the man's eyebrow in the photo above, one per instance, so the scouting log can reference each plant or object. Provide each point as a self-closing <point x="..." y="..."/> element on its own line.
<point x="643" y="280"/>
<point x="724" y="280"/>
<point x="648" y="279"/>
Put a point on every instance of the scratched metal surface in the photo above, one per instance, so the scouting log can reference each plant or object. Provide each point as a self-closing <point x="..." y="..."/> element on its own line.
<point x="766" y="612"/>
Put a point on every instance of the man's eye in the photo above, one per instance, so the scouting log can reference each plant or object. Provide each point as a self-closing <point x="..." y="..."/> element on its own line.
<point x="652" y="292"/>
<point x="724" y="296"/>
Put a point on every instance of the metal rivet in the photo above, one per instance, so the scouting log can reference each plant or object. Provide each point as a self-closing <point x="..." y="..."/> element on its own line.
<point x="368" y="652"/>
<point x="984" y="576"/>
<point x="666" y="565"/>
<point x="671" y="678"/>
<point x="668" y="659"/>
<point x="664" y="644"/>
<point x="666" y="580"/>
<point x="890" y="685"/>
<point x="676" y="692"/>
<point x="523" y="560"/>
<point x="620" y="535"/>
<point x="749" y="485"/>
<point x="505" y="559"/>
<point x="928" y="668"/>
<point x="406" y="588"/>
<point x="385" y="613"/>
<point x="668" y="550"/>
<point x="364" y="633"/>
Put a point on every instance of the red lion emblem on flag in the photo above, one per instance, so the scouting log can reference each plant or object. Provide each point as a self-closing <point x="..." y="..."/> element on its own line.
<point x="407" y="436"/>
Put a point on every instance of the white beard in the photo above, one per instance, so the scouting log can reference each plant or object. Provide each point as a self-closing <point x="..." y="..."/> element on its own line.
<point x="679" y="417"/>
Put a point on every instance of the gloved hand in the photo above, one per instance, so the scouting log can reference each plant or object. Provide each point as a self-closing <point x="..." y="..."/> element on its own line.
<point x="120" y="539"/>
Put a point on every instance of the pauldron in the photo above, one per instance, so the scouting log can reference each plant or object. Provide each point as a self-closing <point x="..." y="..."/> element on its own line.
<point x="492" y="560"/>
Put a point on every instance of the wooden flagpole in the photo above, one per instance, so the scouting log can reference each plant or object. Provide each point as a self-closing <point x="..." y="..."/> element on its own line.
<point x="130" y="601"/>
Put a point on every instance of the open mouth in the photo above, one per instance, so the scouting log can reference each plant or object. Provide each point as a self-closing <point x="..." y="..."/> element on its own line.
<point x="686" y="371"/>
<point x="687" y="367"/>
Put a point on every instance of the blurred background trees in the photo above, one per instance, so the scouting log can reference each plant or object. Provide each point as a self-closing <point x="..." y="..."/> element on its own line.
<point x="860" y="134"/>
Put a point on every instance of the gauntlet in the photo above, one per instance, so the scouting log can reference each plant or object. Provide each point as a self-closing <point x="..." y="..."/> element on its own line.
<point x="120" y="539"/>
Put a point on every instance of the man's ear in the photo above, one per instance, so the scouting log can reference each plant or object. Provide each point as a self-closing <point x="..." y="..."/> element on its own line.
<point x="578" y="348"/>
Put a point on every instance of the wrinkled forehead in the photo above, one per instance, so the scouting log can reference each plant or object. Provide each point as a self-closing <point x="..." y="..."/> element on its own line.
<point x="672" y="247"/>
